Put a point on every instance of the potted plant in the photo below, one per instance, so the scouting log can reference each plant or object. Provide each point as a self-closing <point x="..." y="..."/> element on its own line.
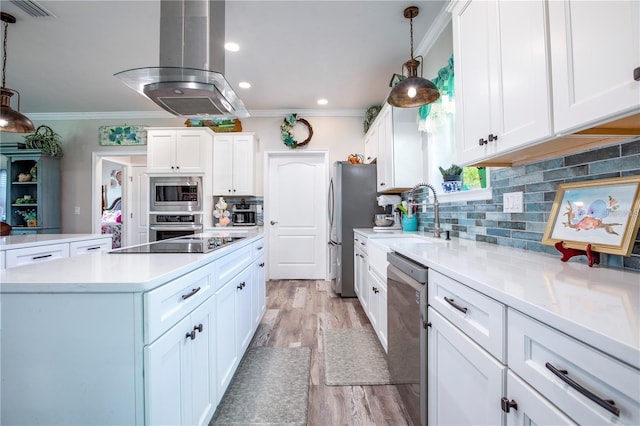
<point x="452" y="173"/>
<point x="29" y="216"/>
<point x="46" y="140"/>
<point x="452" y="178"/>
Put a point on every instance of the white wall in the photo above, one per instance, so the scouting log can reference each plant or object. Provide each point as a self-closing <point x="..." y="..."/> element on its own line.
<point x="341" y="136"/>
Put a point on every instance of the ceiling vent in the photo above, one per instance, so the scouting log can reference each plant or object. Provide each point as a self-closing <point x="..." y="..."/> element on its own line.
<point x="32" y="8"/>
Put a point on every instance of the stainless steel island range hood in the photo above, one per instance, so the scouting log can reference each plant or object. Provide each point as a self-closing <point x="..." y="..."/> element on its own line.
<point x="192" y="36"/>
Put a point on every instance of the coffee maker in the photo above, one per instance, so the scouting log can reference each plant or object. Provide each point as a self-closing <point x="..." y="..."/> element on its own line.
<point x="243" y="214"/>
<point x="394" y="216"/>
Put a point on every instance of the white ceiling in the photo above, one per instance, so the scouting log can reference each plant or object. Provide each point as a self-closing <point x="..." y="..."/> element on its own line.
<point x="292" y="52"/>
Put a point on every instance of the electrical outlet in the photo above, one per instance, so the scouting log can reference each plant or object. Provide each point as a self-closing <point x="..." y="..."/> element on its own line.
<point x="76" y="210"/>
<point x="512" y="202"/>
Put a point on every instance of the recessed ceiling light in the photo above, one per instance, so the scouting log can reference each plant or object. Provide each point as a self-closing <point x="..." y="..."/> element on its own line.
<point x="232" y="47"/>
<point x="322" y="101"/>
<point x="244" y="85"/>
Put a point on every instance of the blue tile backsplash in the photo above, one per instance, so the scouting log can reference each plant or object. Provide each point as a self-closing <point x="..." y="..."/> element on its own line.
<point x="485" y="221"/>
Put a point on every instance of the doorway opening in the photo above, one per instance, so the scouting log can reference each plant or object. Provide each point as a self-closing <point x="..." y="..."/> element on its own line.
<point x="119" y="196"/>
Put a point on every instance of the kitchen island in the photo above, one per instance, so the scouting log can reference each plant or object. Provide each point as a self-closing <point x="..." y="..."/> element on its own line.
<point x="110" y="338"/>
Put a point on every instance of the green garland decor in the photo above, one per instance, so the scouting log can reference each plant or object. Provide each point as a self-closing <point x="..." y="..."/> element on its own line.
<point x="286" y="131"/>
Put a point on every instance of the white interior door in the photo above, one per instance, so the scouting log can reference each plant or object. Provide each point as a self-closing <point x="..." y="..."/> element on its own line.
<point x="136" y="206"/>
<point x="296" y="214"/>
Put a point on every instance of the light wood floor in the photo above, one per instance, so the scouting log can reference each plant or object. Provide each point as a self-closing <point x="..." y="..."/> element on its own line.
<point x="298" y="312"/>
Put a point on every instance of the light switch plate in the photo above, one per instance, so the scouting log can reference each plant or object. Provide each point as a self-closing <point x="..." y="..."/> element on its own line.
<point x="512" y="202"/>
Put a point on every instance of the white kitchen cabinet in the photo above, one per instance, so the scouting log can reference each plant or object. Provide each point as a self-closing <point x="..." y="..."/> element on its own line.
<point x="36" y="254"/>
<point x="180" y="375"/>
<point x="503" y="92"/>
<point x="525" y="407"/>
<point x="244" y="317"/>
<point x="377" y="308"/>
<point x="371" y="145"/>
<point x="234" y="164"/>
<point x="89" y="246"/>
<point x="184" y="151"/>
<point x="360" y="270"/>
<point x="400" y="155"/>
<point x="258" y="288"/>
<point x="465" y="383"/>
<point x="226" y="355"/>
<point x="595" y="47"/>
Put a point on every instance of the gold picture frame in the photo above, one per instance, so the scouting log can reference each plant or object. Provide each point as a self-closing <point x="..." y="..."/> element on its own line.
<point x="603" y="213"/>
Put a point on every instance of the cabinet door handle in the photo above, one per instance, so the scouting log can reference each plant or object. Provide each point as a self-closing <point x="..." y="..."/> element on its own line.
<point x="191" y="293"/>
<point x="44" y="256"/>
<point x="382" y="184"/>
<point x="455" y="305"/>
<point x="492" y="138"/>
<point x="191" y="335"/>
<point x="261" y="265"/>
<point x="482" y="142"/>
<point x="273" y="222"/>
<point x="636" y="74"/>
<point x="241" y="285"/>
<point x="563" y="375"/>
<point x="508" y="405"/>
<point x="198" y="327"/>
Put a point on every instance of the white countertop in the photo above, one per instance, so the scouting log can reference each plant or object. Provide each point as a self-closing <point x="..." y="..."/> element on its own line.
<point x="32" y="240"/>
<point x="599" y="306"/>
<point x="110" y="272"/>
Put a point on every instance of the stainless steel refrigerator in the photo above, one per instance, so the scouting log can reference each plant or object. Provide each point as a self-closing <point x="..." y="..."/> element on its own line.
<point x="352" y="204"/>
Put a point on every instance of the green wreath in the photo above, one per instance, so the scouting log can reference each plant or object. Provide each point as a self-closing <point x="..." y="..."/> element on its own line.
<point x="286" y="131"/>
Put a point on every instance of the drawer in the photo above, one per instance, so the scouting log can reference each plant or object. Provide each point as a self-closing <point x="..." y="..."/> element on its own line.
<point x="535" y="349"/>
<point x="478" y="316"/>
<point x="230" y="265"/>
<point x="360" y="241"/>
<point x="37" y="254"/>
<point x="258" y="248"/>
<point x="167" y="305"/>
<point x="88" y="246"/>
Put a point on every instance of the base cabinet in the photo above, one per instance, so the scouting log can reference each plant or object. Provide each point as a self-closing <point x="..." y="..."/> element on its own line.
<point x="258" y="288"/>
<point x="465" y="383"/>
<point x="180" y="380"/>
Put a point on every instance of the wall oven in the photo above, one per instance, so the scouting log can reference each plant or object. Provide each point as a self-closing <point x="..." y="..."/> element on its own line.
<point x="175" y="193"/>
<point x="165" y="226"/>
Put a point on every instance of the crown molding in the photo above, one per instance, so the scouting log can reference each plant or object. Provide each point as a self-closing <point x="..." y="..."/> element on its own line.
<point x="128" y="115"/>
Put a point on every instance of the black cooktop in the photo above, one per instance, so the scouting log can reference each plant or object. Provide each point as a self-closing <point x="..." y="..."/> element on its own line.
<point x="180" y="245"/>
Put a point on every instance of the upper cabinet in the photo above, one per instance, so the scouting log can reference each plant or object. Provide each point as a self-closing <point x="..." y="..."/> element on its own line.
<point x="595" y="48"/>
<point x="183" y="150"/>
<point x="540" y="79"/>
<point x="371" y="145"/>
<point x="502" y="80"/>
<point x="234" y="164"/>
<point x="400" y="156"/>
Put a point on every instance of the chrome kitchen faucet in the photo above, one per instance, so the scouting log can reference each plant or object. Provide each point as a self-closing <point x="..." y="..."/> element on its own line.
<point x="436" y="209"/>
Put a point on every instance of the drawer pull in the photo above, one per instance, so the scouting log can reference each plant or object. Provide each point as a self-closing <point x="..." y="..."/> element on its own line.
<point x="259" y="248"/>
<point x="44" y="256"/>
<point x="93" y="248"/>
<point x="455" y="305"/>
<point x="508" y="405"/>
<point x="191" y="293"/>
<point x="563" y="375"/>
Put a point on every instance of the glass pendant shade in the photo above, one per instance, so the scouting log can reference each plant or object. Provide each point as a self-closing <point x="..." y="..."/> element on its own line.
<point x="10" y="120"/>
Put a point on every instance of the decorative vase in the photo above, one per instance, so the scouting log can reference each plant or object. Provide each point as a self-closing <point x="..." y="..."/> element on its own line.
<point x="32" y="223"/>
<point x="452" y="186"/>
<point x="409" y="223"/>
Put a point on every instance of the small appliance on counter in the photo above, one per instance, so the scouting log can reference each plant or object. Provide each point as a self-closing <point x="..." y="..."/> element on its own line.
<point x="388" y="222"/>
<point x="243" y="214"/>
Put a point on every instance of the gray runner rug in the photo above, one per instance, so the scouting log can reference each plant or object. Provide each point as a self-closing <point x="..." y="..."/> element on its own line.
<point x="354" y="357"/>
<point x="270" y="387"/>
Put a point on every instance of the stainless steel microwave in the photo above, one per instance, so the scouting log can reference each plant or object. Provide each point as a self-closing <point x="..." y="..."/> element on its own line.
<point x="175" y="193"/>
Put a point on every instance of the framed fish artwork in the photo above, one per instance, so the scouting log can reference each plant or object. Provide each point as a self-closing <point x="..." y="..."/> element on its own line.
<point x="604" y="213"/>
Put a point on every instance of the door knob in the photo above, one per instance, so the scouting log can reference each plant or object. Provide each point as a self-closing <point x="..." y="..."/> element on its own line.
<point x="273" y="222"/>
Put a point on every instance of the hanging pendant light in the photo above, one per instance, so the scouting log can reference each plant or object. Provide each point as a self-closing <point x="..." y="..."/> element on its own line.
<point x="412" y="91"/>
<point x="10" y="120"/>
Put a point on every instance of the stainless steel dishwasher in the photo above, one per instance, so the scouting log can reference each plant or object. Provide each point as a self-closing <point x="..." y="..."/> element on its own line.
<point x="407" y="350"/>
